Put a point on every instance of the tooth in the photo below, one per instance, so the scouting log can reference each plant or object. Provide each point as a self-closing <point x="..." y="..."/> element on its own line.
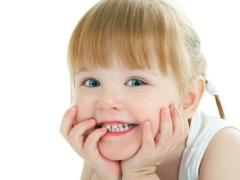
<point x="108" y="127"/>
<point x="114" y="127"/>
<point x="121" y="129"/>
<point x="126" y="128"/>
<point x="126" y="125"/>
<point x="120" y="126"/>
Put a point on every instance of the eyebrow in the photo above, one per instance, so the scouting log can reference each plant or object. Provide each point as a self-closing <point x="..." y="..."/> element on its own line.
<point x="83" y="69"/>
<point x="146" y="71"/>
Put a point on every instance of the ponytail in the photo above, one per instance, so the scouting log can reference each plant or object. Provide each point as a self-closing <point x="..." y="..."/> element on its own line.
<point x="212" y="90"/>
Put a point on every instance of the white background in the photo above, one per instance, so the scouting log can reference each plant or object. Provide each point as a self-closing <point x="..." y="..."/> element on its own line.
<point x="34" y="79"/>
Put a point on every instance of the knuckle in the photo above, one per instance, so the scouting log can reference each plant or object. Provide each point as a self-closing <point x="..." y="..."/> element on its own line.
<point x="149" y="143"/>
<point x="71" y="135"/>
<point x="180" y="132"/>
<point x="62" y="129"/>
<point x="168" y="136"/>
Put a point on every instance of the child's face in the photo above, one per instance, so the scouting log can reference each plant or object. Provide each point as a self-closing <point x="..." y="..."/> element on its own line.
<point x="118" y="96"/>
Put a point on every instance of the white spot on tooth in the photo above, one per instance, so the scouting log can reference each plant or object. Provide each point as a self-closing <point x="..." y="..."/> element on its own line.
<point x="120" y="126"/>
<point x="108" y="127"/>
<point x="126" y="125"/>
<point x="114" y="127"/>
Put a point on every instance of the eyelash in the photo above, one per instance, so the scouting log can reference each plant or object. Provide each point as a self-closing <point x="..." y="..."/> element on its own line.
<point x="88" y="80"/>
<point x="97" y="83"/>
<point x="138" y="80"/>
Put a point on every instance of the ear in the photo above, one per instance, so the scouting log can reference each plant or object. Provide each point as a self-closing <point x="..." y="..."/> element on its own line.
<point x="194" y="96"/>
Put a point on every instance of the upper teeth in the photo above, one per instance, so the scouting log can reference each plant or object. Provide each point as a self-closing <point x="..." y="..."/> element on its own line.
<point x="118" y="128"/>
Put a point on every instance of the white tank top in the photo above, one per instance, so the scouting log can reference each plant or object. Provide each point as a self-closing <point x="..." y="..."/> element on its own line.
<point x="203" y="128"/>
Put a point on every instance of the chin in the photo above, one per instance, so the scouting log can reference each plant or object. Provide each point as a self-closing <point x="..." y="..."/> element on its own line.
<point x="117" y="152"/>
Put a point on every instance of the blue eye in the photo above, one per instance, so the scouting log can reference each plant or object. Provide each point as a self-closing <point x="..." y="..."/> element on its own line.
<point x="91" y="83"/>
<point x="135" y="82"/>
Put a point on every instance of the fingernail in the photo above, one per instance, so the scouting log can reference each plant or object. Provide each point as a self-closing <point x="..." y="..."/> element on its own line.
<point x="174" y="107"/>
<point x="92" y="121"/>
<point x="147" y="124"/>
<point x="166" y="110"/>
<point x="73" y="108"/>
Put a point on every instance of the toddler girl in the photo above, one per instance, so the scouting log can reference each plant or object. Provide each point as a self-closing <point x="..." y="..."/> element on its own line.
<point x="138" y="76"/>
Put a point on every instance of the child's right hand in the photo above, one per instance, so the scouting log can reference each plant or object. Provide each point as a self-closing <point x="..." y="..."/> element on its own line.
<point x="85" y="144"/>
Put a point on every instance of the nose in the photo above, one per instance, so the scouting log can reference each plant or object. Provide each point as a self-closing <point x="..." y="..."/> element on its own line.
<point x="110" y="99"/>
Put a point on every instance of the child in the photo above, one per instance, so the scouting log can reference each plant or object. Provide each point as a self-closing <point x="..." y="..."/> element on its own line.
<point x="138" y="76"/>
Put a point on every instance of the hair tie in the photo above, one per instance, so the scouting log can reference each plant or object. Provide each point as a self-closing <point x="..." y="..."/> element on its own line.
<point x="211" y="89"/>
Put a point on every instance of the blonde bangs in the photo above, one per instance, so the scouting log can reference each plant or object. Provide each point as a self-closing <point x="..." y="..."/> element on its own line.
<point x="129" y="30"/>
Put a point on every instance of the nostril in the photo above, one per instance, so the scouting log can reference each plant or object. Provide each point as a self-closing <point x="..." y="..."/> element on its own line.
<point x="106" y="105"/>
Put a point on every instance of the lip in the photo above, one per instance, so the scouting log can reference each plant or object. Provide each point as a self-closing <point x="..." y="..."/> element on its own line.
<point x="116" y="123"/>
<point x="111" y="123"/>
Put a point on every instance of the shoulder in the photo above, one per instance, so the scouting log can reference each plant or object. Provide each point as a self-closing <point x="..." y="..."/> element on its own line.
<point x="203" y="128"/>
<point x="222" y="158"/>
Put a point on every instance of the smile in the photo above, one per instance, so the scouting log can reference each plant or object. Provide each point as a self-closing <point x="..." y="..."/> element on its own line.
<point x="117" y="128"/>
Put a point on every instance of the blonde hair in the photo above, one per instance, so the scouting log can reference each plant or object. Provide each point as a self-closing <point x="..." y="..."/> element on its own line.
<point x="135" y="30"/>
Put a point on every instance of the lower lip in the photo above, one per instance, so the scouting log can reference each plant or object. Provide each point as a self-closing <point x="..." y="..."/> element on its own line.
<point x="110" y="134"/>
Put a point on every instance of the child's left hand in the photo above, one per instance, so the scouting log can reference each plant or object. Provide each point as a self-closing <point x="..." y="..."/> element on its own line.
<point x="174" y="129"/>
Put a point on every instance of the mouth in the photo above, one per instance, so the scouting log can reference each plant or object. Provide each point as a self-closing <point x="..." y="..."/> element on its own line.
<point x="117" y="128"/>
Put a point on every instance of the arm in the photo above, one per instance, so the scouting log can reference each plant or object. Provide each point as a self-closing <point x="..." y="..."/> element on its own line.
<point x="87" y="171"/>
<point x="222" y="157"/>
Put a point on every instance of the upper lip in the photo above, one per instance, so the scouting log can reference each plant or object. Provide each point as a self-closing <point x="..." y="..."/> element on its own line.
<point x="111" y="122"/>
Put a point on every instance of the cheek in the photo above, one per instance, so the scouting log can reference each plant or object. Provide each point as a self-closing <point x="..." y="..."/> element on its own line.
<point x="149" y="110"/>
<point x="149" y="107"/>
<point x="85" y="108"/>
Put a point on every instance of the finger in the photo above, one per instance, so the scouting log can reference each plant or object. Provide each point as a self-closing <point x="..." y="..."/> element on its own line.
<point x="186" y="125"/>
<point x="179" y="123"/>
<point x="177" y="119"/>
<point x="148" y="139"/>
<point x="77" y="134"/>
<point x="165" y="129"/>
<point x="67" y="122"/>
<point x="93" y="139"/>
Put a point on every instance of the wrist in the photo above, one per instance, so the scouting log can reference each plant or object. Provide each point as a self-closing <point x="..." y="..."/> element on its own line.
<point x="144" y="173"/>
<point x="142" y="176"/>
<point x="108" y="176"/>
